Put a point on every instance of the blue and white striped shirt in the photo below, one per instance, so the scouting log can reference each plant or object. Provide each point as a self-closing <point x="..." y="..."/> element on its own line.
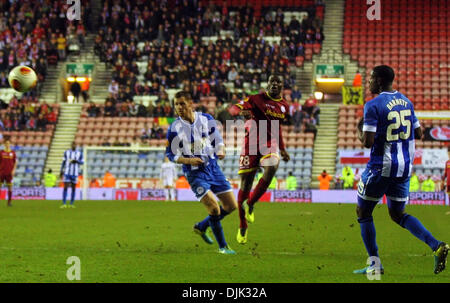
<point x="391" y="117"/>
<point x="69" y="168"/>
<point x="199" y="139"/>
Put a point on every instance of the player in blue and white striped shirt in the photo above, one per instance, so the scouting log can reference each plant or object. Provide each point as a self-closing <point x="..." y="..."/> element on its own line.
<point x="70" y="169"/>
<point x="194" y="141"/>
<point x="389" y="128"/>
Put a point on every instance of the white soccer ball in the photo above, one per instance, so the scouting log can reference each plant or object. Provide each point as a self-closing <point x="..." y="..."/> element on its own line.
<point x="22" y="78"/>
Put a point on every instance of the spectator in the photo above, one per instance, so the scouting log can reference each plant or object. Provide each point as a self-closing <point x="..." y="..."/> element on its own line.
<point x="41" y="123"/>
<point x="93" y="110"/>
<point x="109" y="181"/>
<point x="4" y="80"/>
<point x="62" y="45"/>
<point x="414" y="183"/>
<point x="50" y="179"/>
<point x="94" y="183"/>
<point x="142" y="110"/>
<point x="296" y="94"/>
<point x="273" y="184"/>
<point x="232" y="74"/>
<point x="147" y="131"/>
<point x="311" y="108"/>
<point x="348" y="177"/>
<point x="324" y="180"/>
<point x="428" y="185"/>
<point x="75" y="88"/>
<point x="113" y="89"/>
<point x="110" y="109"/>
<point x="80" y="180"/>
<point x="357" y="80"/>
<point x="291" y="182"/>
<point x="182" y="183"/>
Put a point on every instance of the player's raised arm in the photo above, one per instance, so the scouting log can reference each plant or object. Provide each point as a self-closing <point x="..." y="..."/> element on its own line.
<point x="243" y="108"/>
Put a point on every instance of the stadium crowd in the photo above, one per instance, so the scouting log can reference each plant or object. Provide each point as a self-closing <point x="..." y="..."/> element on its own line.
<point x="178" y="59"/>
<point x="37" y="33"/>
<point x="26" y="113"/>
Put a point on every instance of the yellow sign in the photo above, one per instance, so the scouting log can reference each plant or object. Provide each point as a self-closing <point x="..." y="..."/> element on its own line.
<point x="352" y="95"/>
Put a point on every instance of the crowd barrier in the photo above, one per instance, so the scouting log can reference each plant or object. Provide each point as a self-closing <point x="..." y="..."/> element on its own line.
<point x="295" y="196"/>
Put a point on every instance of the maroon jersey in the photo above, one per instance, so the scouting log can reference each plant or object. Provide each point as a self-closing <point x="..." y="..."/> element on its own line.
<point x="7" y="162"/>
<point x="264" y="108"/>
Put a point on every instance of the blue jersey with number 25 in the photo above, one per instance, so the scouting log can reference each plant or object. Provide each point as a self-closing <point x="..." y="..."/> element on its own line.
<point x="391" y="117"/>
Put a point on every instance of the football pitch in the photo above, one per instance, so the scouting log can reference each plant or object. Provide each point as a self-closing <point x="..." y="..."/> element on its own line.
<point x="148" y="241"/>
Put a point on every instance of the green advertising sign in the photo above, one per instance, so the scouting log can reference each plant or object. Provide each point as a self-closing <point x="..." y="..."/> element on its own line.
<point x="79" y="69"/>
<point x="330" y="70"/>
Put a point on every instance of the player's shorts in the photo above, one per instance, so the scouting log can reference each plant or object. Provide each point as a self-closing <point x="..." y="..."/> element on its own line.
<point x="373" y="186"/>
<point x="70" y="179"/>
<point x="215" y="182"/>
<point x="168" y="182"/>
<point x="249" y="163"/>
<point x="6" y="179"/>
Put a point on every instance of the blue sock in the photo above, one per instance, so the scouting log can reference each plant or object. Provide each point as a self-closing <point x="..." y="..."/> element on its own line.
<point x="369" y="236"/>
<point x="417" y="229"/>
<point x="203" y="225"/>
<point x="214" y="223"/>
<point x="72" y="197"/>
<point x="64" y="195"/>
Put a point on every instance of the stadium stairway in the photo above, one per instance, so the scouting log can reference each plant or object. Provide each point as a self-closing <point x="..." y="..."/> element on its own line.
<point x="51" y="89"/>
<point x="64" y="135"/>
<point x="332" y="52"/>
<point x="324" y="156"/>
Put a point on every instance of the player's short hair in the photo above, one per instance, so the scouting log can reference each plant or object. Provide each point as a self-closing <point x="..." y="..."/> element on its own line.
<point x="185" y="94"/>
<point x="280" y="76"/>
<point x="384" y="73"/>
<point x="6" y="138"/>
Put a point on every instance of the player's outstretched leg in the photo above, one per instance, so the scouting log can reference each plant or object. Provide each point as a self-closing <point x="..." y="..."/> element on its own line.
<point x="241" y="236"/>
<point x="439" y="248"/>
<point x="261" y="187"/>
<point x="243" y="194"/>
<point x="364" y="211"/>
<point x="201" y="228"/>
<point x="214" y="218"/>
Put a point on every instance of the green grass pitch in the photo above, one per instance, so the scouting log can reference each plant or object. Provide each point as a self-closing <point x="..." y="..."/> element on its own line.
<point x="148" y="241"/>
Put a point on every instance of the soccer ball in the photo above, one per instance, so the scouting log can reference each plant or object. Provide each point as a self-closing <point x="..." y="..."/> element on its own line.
<point x="22" y="78"/>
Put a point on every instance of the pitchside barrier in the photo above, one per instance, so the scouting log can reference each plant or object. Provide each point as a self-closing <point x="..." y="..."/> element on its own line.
<point x="144" y="194"/>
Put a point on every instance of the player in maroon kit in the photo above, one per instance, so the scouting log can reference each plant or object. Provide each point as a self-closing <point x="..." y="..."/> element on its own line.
<point x="263" y="139"/>
<point x="7" y="167"/>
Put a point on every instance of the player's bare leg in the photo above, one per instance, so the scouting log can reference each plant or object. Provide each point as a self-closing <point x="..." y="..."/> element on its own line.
<point x="244" y="192"/>
<point x="270" y="165"/>
<point x="228" y="201"/>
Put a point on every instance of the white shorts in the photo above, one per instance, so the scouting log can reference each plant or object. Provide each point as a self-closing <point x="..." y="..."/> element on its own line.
<point x="167" y="182"/>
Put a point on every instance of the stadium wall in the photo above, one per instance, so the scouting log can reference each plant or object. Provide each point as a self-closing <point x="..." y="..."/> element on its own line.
<point x="297" y="196"/>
